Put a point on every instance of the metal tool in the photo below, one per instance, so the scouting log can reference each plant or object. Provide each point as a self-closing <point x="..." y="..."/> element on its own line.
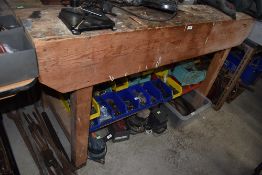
<point x="67" y="168"/>
<point x="87" y="16"/>
<point x="140" y="96"/>
<point x="16" y="117"/>
<point x="53" y="134"/>
<point x="50" y="161"/>
<point x="8" y="164"/>
<point x="129" y="104"/>
<point x="43" y="144"/>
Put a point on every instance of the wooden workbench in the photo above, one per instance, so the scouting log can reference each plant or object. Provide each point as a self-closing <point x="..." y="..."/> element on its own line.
<point x="69" y="63"/>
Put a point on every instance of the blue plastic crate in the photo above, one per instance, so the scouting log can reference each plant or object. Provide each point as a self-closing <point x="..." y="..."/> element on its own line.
<point x="166" y="91"/>
<point x="149" y="89"/>
<point x="154" y="93"/>
<point x="102" y="105"/>
<point x="94" y="125"/>
<point x="251" y="72"/>
<point x="135" y="91"/>
<point x="117" y="101"/>
<point x="127" y="97"/>
<point x="103" y="101"/>
<point x="233" y="60"/>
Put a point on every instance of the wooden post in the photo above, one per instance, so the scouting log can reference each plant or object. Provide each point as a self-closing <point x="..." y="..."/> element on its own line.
<point x="250" y="51"/>
<point x="80" y="110"/>
<point x="213" y="70"/>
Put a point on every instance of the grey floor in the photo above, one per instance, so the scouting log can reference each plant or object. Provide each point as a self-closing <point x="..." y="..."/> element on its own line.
<point x="227" y="142"/>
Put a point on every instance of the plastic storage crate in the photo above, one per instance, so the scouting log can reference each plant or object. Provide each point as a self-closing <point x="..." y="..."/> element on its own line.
<point x="165" y="91"/>
<point x="141" y="95"/>
<point x="145" y="78"/>
<point x="119" y="99"/>
<point x="120" y="84"/>
<point x="20" y="65"/>
<point x="133" y="81"/>
<point x="154" y="93"/>
<point x="9" y="22"/>
<point x="199" y="102"/>
<point x="103" y="119"/>
<point x="65" y="100"/>
<point x="129" y="101"/>
<point x="96" y="106"/>
<point x="119" y="109"/>
<point x="176" y="88"/>
<point x="252" y="71"/>
<point x="189" y="88"/>
<point x="162" y="75"/>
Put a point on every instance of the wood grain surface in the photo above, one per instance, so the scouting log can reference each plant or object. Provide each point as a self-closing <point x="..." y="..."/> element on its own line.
<point x="80" y="112"/>
<point x="68" y="62"/>
<point x="213" y="70"/>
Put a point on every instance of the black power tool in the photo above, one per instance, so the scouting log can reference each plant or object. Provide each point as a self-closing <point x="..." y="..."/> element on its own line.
<point x="157" y="120"/>
<point x="90" y="15"/>
<point x="97" y="148"/>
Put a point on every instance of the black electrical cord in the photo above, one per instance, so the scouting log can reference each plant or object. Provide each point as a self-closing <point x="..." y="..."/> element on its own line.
<point x="146" y="18"/>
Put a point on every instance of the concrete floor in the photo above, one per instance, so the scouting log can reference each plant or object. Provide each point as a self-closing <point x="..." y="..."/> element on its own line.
<point x="227" y="142"/>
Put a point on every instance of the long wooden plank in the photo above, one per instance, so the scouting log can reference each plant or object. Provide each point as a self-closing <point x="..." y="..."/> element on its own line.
<point x="213" y="70"/>
<point x="80" y="109"/>
<point x="83" y="62"/>
<point x="99" y="56"/>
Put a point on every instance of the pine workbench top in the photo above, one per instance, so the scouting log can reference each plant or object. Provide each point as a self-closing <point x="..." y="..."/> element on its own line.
<point x="49" y="26"/>
<point x="70" y="62"/>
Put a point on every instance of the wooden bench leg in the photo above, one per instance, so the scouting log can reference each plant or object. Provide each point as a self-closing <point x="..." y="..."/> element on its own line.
<point x="81" y="106"/>
<point x="213" y="70"/>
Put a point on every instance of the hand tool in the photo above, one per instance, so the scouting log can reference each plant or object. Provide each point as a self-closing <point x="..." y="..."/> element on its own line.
<point x="18" y="120"/>
<point x="7" y="161"/>
<point x="87" y="16"/>
<point x="53" y="134"/>
<point x="140" y="96"/>
<point x="67" y="167"/>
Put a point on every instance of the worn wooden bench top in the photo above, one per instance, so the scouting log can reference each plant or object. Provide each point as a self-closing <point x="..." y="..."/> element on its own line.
<point x="68" y="62"/>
